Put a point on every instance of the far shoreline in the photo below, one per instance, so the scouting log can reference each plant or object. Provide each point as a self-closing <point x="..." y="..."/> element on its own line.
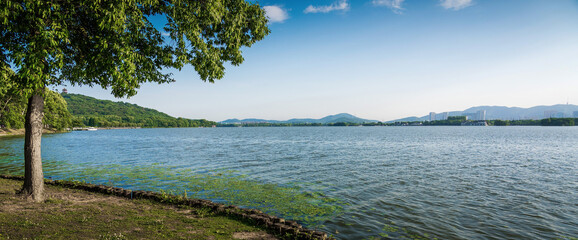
<point x="9" y="132"/>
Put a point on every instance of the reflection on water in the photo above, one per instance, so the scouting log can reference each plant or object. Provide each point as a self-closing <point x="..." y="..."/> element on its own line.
<point x="393" y="182"/>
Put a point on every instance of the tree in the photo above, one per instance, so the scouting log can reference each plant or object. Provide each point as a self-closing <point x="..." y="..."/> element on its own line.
<point x="114" y="44"/>
<point x="498" y="122"/>
<point x="12" y="107"/>
<point x="13" y="110"/>
<point x="56" y="113"/>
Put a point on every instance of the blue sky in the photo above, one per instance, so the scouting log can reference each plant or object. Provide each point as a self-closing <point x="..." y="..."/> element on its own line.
<point x="386" y="59"/>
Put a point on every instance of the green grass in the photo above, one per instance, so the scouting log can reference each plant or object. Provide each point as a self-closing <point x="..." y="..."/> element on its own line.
<point x="73" y="214"/>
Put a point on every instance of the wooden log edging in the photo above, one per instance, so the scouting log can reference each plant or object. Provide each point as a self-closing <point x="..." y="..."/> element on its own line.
<point x="288" y="228"/>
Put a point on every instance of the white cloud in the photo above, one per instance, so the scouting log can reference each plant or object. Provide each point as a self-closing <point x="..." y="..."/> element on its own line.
<point x="394" y="5"/>
<point x="340" y="5"/>
<point x="455" y="4"/>
<point x="276" y="14"/>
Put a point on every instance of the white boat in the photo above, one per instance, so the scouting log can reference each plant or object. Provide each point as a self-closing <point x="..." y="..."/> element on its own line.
<point x="91" y="129"/>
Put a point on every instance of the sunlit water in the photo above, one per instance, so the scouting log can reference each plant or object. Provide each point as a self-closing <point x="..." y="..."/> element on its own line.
<point x="394" y="182"/>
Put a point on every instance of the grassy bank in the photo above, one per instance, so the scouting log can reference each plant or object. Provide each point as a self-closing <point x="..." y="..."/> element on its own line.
<point x="73" y="214"/>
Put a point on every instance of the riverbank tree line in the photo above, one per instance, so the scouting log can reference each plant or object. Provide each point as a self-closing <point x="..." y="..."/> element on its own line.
<point x="452" y="121"/>
<point x="497" y="122"/>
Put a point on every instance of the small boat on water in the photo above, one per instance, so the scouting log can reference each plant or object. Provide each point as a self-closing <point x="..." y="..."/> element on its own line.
<point x="84" y="129"/>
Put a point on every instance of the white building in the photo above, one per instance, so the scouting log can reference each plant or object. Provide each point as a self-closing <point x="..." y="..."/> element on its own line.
<point x="481" y="115"/>
<point x="444" y="116"/>
<point x="432" y="116"/>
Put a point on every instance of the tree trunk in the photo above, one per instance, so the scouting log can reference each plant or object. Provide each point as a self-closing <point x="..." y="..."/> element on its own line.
<point x="33" y="187"/>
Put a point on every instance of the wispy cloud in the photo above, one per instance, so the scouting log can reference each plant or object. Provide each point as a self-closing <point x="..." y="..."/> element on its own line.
<point x="394" y="5"/>
<point x="340" y="5"/>
<point x="276" y="14"/>
<point x="455" y="4"/>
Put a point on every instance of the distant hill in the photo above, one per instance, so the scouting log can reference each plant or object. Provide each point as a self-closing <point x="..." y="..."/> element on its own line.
<point x="338" y="118"/>
<point x="89" y="111"/>
<point x="411" y="119"/>
<point x="509" y="113"/>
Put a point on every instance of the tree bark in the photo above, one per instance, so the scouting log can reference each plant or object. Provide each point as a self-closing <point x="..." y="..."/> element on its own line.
<point x="33" y="187"/>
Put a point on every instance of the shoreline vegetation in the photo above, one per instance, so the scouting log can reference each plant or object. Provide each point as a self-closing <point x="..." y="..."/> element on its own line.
<point x="561" y="122"/>
<point x="450" y="122"/>
<point x="105" y="212"/>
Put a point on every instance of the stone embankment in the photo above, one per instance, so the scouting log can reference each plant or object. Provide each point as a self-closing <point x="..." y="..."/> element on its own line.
<point x="284" y="228"/>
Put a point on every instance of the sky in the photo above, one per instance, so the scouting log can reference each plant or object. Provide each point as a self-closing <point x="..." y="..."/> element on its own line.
<point x="385" y="60"/>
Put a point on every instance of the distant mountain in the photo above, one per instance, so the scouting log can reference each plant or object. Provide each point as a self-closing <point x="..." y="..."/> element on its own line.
<point x="342" y="117"/>
<point x="509" y="113"/>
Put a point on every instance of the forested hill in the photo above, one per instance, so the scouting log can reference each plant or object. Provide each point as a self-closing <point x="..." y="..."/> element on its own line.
<point x="89" y="111"/>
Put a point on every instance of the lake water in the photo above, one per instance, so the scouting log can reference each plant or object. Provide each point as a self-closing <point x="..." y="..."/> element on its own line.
<point x="390" y="182"/>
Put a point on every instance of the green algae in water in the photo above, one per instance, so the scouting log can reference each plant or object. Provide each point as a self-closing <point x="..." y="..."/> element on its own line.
<point x="305" y="203"/>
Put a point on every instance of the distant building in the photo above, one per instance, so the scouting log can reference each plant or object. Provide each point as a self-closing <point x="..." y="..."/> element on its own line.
<point x="575" y="114"/>
<point x="444" y="116"/>
<point x="481" y="115"/>
<point x="432" y="116"/>
<point x="64" y="90"/>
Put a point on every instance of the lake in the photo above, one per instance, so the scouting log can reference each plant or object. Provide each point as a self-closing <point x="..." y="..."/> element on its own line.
<point x="369" y="182"/>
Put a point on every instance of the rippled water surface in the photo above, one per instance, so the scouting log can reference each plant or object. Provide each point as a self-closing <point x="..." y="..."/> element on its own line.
<point x="393" y="182"/>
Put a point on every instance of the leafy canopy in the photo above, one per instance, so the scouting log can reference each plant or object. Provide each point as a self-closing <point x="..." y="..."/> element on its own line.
<point x="114" y="44"/>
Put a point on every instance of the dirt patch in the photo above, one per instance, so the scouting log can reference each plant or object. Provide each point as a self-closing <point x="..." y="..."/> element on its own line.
<point x="56" y="199"/>
<point x="15" y="132"/>
<point x="21" y="132"/>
